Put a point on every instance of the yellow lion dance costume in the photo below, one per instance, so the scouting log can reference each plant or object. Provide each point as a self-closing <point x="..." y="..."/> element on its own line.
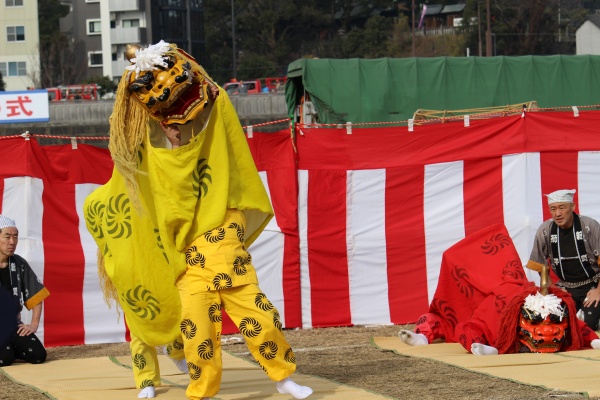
<point x="173" y="225"/>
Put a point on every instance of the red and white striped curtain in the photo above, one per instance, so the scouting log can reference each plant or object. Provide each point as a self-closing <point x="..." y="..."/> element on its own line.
<point x="362" y="217"/>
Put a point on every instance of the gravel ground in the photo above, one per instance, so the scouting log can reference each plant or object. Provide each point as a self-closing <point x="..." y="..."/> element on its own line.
<point x="346" y="355"/>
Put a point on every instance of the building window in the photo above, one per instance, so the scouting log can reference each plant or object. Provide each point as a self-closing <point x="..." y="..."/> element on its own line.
<point x="172" y="3"/>
<point x="94" y="26"/>
<point x="13" y="68"/>
<point x="173" y="23"/>
<point x="131" y="23"/>
<point x="15" y="33"/>
<point x="13" y="3"/>
<point x="95" y="58"/>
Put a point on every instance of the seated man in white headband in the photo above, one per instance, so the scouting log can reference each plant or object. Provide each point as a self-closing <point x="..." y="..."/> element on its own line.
<point x="571" y="243"/>
<point x="19" y="286"/>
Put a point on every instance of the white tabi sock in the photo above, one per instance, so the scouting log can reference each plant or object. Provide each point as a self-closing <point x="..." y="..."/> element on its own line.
<point x="290" y="387"/>
<point x="595" y="344"/>
<point x="180" y="364"/>
<point x="483" y="350"/>
<point x="147" y="393"/>
<point x="412" y="338"/>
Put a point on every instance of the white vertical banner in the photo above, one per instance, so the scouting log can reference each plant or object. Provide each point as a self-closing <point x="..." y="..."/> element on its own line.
<point x="443" y="213"/>
<point x="534" y="206"/>
<point x="102" y="324"/>
<point x="588" y="185"/>
<point x="366" y="246"/>
<point x="267" y="257"/>
<point x="514" y="202"/>
<point x="303" y="234"/>
<point x="19" y="194"/>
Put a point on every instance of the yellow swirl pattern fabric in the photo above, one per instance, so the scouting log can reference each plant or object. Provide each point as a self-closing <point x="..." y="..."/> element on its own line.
<point x="141" y="269"/>
<point x="195" y="184"/>
<point x="218" y="259"/>
<point x="184" y="193"/>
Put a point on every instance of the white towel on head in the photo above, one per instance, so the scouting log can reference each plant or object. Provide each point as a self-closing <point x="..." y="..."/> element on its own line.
<point x="6" y="222"/>
<point x="561" y="196"/>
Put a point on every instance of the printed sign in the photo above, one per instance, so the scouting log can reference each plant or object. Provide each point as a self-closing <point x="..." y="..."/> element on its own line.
<point x="24" y="106"/>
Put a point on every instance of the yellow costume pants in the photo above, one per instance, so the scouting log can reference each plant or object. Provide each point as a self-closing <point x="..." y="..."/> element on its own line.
<point x="257" y="320"/>
<point x="146" y="370"/>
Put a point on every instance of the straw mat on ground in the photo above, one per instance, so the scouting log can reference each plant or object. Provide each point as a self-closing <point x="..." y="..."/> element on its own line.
<point x="573" y="371"/>
<point x="111" y="378"/>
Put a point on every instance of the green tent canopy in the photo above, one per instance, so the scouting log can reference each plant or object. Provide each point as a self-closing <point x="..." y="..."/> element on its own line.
<point x="392" y="89"/>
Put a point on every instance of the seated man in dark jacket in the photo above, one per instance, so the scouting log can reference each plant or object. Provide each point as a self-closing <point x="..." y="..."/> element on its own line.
<point x="19" y="286"/>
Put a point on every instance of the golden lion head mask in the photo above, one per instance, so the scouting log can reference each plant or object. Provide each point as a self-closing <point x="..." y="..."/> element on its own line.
<point x="167" y="82"/>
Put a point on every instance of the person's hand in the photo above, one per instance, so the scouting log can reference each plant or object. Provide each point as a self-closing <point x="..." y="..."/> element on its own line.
<point x="592" y="298"/>
<point x="213" y="92"/>
<point x="26" y="329"/>
<point x="172" y="133"/>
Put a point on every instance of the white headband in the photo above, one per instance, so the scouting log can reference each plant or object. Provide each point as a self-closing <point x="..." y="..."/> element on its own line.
<point x="6" y="222"/>
<point x="561" y="196"/>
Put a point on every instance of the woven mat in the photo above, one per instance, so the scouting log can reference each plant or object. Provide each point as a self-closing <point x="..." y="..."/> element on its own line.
<point x="572" y="371"/>
<point x="110" y="378"/>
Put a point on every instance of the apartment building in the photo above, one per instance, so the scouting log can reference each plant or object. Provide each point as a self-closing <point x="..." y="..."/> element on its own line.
<point x="106" y="27"/>
<point x="19" y="52"/>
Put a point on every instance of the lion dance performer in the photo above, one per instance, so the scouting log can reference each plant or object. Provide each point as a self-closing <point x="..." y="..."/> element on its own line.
<point x="174" y="222"/>
<point x="485" y="302"/>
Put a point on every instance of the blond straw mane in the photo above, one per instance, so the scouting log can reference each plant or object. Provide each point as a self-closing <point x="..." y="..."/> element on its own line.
<point x="128" y="123"/>
<point x="108" y="289"/>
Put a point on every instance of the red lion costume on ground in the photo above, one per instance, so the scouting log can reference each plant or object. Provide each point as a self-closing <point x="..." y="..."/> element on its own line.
<point x="480" y="295"/>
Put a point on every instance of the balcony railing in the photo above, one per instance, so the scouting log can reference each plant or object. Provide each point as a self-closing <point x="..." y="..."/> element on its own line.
<point x="127" y="35"/>
<point x="124" y="5"/>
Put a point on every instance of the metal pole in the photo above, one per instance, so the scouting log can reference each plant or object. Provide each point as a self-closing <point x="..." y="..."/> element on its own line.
<point x="413" y="28"/>
<point x="479" y="28"/>
<point x="488" y="33"/>
<point x="559" y="35"/>
<point x="233" y="41"/>
<point x="188" y="21"/>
